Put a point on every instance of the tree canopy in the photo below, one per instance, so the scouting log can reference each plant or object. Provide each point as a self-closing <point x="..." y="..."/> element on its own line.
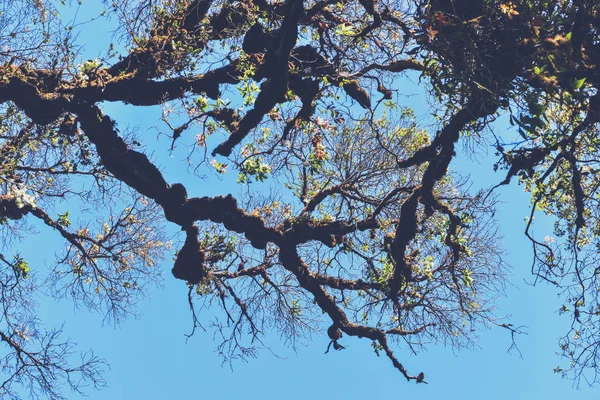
<point x="347" y="218"/>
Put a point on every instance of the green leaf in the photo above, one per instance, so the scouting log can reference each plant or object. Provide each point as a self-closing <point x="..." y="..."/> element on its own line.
<point x="578" y="83"/>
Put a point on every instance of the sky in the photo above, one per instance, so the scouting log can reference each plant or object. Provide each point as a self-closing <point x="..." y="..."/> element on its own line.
<point x="150" y="358"/>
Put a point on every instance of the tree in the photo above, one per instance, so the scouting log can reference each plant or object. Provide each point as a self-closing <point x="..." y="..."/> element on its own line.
<point x="364" y="231"/>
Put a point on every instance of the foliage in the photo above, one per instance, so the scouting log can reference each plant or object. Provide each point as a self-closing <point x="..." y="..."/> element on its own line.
<point x="366" y="232"/>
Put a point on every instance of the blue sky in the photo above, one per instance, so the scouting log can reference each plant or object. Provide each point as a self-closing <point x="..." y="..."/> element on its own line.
<point x="150" y="358"/>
